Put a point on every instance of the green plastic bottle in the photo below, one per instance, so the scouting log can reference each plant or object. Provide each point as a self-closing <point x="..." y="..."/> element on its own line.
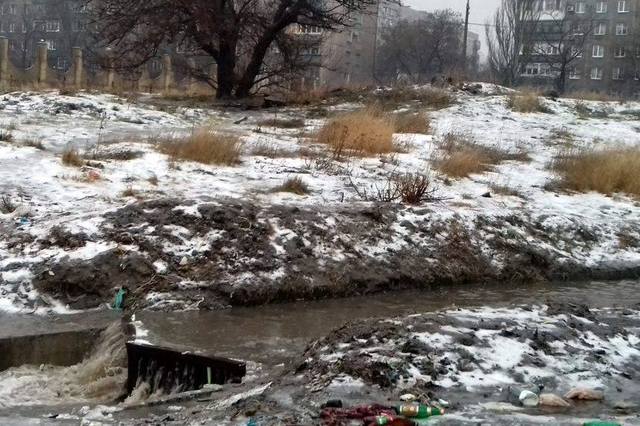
<point x="418" y="411"/>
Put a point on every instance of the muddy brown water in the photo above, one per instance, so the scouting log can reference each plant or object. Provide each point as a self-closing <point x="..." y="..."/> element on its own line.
<point x="274" y="334"/>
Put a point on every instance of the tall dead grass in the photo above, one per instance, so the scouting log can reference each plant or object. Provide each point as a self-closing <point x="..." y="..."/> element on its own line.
<point x="526" y="102"/>
<point x="204" y="146"/>
<point x="605" y="171"/>
<point x="409" y="122"/>
<point x="460" y="156"/>
<point x="361" y="133"/>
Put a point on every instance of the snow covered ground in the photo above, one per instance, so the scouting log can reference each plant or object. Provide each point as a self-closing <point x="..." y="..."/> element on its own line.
<point x="577" y="229"/>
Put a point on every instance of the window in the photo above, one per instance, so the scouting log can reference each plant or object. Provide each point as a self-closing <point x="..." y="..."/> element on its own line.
<point x="576" y="52"/>
<point x="10" y="9"/>
<point x="601" y="7"/>
<point x="598" y="51"/>
<point x="309" y="29"/>
<point x="596" y="73"/>
<point x="600" y="29"/>
<point x="580" y="7"/>
<point x="636" y="75"/>
<point x="620" y="52"/>
<point x="623" y="6"/>
<point x="551" y="5"/>
<point x="621" y="29"/>
<point x="78" y="26"/>
<point x="618" y="74"/>
<point x="52" y="26"/>
<point x="537" y="69"/>
<point x="574" y="73"/>
<point x="51" y="44"/>
<point x="12" y="27"/>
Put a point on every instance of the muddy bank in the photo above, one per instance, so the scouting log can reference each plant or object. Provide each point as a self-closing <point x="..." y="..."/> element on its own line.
<point x="176" y="254"/>
<point x="464" y="359"/>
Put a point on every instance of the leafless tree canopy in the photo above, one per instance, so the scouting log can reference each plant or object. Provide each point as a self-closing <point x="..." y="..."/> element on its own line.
<point x="242" y="37"/>
<point x="509" y="36"/>
<point x="422" y="49"/>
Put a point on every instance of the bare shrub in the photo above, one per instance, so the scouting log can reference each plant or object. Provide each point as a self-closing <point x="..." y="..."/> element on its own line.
<point x="606" y="171"/>
<point x="204" y="146"/>
<point x="593" y="96"/>
<point x="526" y="102"/>
<point x="410" y="188"/>
<point x="71" y="157"/>
<point x="408" y="122"/>
<point x="361" y="133"/>
<point x="153" y="180"/>
<point x="295" y="185"/>
<point x="283" y="123"/>
<point x="462" y="157"/>
<point x="415" y="188"/>
<point x="6" y="205"/>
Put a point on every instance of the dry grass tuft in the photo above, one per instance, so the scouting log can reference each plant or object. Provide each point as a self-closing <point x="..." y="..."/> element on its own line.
<point x="153" y="180"/>
<point x="526" y="102"/>
<point x="462" y="157"/>
<point x="33" y="143"/>
<point x="71" y="157"/>
<point x="204" y="146"/>
<point x="606" y="171"/>
<point x="361" y="133"/>
<point x="295" y="185"/>
<point x="408" y="122"/>
<point x="129" y="192"/>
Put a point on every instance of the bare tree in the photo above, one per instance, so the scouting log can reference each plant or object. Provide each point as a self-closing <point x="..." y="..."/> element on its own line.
<point x="240" y="36"/>
<point x="509" y="35"/>
<point x="422" y="49"/>
<point x="560" y="41"/>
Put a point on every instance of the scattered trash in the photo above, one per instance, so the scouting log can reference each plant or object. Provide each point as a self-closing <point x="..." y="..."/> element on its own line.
<point x="551" y="400"/>
<point x="584" y="394"/>
<point x="443" y="403"/>
<point x="118" y="304"/>
<point x="419" y="411"/>
<point x="601" y="423"/>
<point x="332" y="403"/>
<point x="408" y="397"/>
<point x="528" y="399"/>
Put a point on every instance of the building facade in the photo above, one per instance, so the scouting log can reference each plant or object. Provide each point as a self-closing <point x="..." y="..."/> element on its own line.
<point x="60" y="24"/>
<point x="606" y="45"/>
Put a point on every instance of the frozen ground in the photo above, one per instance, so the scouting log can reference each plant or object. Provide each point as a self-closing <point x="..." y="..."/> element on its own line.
<point x="203" y="237"/>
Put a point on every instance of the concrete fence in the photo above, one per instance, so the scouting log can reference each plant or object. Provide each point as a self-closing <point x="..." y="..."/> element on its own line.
<point x="41" y="75"/>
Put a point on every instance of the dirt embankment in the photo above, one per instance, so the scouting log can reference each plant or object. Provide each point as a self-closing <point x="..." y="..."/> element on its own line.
<point x="232" y="252"/>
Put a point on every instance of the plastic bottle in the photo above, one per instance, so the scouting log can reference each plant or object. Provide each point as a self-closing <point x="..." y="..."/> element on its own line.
<point x="419" y="411"/>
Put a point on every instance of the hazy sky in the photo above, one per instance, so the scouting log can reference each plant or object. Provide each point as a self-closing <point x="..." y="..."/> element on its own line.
<point x="481" y="10"/>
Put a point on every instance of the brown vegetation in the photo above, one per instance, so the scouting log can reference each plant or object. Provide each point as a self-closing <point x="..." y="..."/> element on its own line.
<point x="462" y="157"/>
<point x="204" y="146"/>
<point x="71" y="157"/>
<point x="526" y="102"/>
<point x="6" y="205"/>
<point x="361" y="133"/>
<point x="409" y="122"/>
<point x="606" y="171"/>
<point x="6" y="136"/>
<point x="295" y="185"/>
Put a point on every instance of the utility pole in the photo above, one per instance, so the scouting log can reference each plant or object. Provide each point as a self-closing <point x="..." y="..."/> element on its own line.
<point x="465" y="39"/>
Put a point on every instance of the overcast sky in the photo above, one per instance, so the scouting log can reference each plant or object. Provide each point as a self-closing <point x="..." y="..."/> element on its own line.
<point x="481" y="10"/>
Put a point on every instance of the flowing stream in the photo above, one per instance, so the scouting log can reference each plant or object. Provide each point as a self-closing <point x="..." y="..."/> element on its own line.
<point x="267" y="337"/>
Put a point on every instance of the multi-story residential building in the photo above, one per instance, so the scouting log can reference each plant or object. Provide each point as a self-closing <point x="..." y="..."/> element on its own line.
<point x="60" y="24"/>
<point x="599" y="41"/>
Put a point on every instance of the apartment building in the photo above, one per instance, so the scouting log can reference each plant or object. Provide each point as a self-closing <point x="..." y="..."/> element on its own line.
<point x="606" y="34"/>
<point x="60" y="24"/>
